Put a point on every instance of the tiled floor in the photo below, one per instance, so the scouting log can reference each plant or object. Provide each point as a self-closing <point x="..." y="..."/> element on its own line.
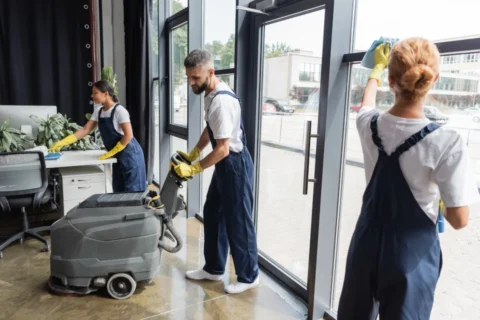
<point x="24" y="272"/>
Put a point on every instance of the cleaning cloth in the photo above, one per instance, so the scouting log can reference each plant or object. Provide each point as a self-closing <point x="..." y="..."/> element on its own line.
<point x="367" y="60"/>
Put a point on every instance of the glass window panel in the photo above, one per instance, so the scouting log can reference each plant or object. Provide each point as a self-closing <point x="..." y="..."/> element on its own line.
<point x="435" y="20"/>
<point x="155" y="22"/>
<point x="461" y="104"/>
<point x="178" y="84"/>
<point x="220" y="41"/>
<point x="228" y="79"/>
<point x="177" y="5"/>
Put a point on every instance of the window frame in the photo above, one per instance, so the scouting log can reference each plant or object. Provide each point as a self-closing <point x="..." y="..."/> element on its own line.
<point x="173" y="22"/>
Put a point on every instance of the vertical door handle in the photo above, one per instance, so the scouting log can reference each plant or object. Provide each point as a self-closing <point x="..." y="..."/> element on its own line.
<point x="308" y="137"/>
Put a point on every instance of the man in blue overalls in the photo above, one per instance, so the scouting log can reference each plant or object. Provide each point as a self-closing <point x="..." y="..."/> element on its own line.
<point x="228" y="208"/>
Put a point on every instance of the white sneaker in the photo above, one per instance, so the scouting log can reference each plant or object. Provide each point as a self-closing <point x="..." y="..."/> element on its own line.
<point x="239" y="287"/>
<point x="201" y="274"/>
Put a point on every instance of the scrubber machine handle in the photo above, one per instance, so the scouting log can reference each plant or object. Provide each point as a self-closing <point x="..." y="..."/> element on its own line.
<point x="176" y="159"/>
<point x="172" y="203"/>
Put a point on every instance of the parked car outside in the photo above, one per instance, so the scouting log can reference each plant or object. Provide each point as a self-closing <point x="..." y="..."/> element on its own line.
<point x="355" y="108"/>
<point x="473" y="110"/>
<point x="476" y="118"/>
<point x="268" y="108"/>
<point x="282" y="106"/>
<point x="435" y="115"/>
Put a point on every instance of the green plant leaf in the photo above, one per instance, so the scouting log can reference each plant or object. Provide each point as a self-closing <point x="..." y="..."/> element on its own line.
<point x="36" y="119"/>
<point x="7" y="138"/>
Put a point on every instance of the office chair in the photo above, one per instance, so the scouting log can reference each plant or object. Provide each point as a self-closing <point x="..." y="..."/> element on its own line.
<point x="23" y="183"/>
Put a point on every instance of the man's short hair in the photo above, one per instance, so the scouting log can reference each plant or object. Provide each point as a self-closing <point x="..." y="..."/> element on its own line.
<point x="198" y="57"/>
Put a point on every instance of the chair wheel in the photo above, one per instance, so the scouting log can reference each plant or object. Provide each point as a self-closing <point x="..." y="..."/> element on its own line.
<point x="1" y="255"/>
<point x="46" y="248"/>
<point x="21" y="240"/>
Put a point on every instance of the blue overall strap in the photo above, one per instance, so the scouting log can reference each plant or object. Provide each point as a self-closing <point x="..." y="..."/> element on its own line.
<point x="410" y="142"/>
<point x="416" y="138"/>
<point x="376" y="139"/>
<point x="231" y="94"/>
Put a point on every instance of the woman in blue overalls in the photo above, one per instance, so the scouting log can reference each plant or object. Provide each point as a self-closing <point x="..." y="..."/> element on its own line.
<point x="114" y="124"/>
<point x="394" y="259"/>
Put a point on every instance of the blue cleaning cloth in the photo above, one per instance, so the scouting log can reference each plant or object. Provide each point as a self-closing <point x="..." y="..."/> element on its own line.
<point x="53" y="156"/>
<point x="367" y="60"/>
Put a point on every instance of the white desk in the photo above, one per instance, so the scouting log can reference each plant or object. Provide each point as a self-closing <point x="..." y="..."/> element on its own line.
<point x="79" y="158"/>
<point x="83" y="158"/>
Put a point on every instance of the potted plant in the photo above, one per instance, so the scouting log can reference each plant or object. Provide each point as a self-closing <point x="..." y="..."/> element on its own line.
<point x="111" y="77"/>
<point x="57" y="127"/>
<point x="12" y="139"/>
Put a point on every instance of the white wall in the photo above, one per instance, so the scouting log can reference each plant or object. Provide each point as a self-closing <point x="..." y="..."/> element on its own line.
<point x="276" y="80"/>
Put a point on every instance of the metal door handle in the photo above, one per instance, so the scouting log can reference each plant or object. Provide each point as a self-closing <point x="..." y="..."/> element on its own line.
<point x="308" y="137"/>
<point x="85" y="187"/>
<point x="83" y="179"/>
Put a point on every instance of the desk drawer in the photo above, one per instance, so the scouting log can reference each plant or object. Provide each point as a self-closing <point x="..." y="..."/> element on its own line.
<point x="84" y="179"/>
<point x="82" y="191"/>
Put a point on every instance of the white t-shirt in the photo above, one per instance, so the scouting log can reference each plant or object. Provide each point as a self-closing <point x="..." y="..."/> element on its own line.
<point x="121" y="116"/>
<point x="223" y="114"/>
<point x="439" y="165"/>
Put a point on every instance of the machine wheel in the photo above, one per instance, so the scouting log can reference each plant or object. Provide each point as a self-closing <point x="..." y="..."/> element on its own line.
<point x="121" y="286"/>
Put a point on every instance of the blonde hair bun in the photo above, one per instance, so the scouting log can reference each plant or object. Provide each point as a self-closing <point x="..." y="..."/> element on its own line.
<point x="418" y="78"/>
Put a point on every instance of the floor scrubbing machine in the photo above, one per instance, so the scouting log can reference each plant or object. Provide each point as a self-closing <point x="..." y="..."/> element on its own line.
<point x="115" y="240"/>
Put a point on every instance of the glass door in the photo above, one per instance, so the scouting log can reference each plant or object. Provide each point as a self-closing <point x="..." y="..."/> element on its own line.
<point x="290" y="68"/>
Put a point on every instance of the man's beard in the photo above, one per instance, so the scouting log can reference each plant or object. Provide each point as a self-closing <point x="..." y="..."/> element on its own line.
<point x="203" y="87"/>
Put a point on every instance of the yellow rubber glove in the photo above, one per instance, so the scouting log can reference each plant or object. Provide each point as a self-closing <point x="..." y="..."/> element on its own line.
<point x="380" y="58"/>
<point x="443" y="209"/>
<point x="118" y="147"/>
<point x="184" y="170"/>
<point x="192" y="155"/>
<point x="57" y="146"/>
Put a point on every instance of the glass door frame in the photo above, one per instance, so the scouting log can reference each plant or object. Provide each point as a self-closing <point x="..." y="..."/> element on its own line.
<point x="260" y="23"/>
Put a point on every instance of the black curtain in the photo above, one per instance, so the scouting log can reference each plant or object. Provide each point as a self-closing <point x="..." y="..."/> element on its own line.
<point x="138" y="74"/>
<point x="45" y="55"/>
